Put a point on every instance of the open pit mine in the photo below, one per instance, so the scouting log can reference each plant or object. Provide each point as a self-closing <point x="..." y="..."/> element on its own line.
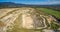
<point x="25" y="18"/>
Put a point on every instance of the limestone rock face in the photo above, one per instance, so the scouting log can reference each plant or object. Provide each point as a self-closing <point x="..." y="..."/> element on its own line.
<point x="27" y="18"/>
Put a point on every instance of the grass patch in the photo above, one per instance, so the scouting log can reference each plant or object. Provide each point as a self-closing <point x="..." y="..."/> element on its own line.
<point x="50" y="11"/>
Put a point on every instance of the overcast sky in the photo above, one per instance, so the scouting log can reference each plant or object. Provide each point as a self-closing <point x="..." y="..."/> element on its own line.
<point x="38" y="2"/>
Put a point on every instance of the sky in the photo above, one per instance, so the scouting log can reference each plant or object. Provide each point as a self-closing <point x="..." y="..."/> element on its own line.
<point x="37" y="2"/>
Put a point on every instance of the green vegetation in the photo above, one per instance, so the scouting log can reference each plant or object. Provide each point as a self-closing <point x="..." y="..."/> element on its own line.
<point x="50" y="11"/>
<point x="54" y="26"/>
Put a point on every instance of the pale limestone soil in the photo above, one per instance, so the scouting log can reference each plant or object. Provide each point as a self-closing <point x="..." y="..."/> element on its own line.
<point x="3" y="12"/>
<point x="29" y="18"/>
<point x="9" y="18"/>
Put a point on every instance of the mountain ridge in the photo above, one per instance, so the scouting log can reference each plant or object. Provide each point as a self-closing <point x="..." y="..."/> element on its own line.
<point x="13" y="5"/>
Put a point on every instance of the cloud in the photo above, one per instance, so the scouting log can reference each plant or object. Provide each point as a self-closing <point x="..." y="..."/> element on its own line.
<point x="49" y="3"/>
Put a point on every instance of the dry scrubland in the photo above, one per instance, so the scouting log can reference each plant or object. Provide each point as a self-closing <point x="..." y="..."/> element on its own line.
<point x="26" y="19"/>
